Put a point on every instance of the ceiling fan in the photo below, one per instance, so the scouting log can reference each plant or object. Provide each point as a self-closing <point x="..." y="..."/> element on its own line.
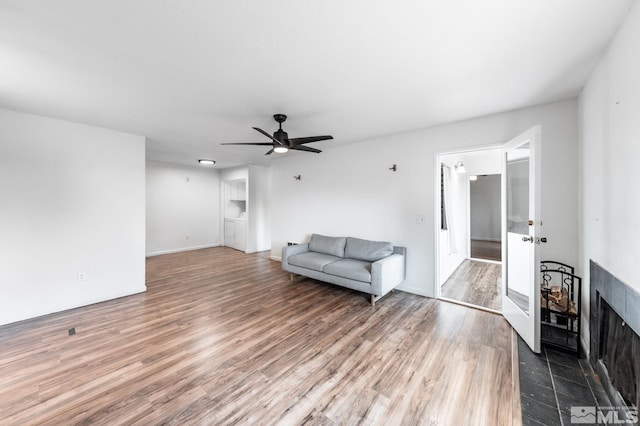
<point x="280" y="141"/>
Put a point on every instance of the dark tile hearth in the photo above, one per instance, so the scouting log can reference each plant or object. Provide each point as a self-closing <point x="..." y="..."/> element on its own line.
<point x="552" y="382"/>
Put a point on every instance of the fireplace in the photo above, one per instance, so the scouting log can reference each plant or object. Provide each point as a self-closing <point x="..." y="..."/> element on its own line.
<point x="614" y="324"/>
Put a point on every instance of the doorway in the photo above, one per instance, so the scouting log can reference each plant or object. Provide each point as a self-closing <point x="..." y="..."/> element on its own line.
<point x="469" y="228"/>
<point x="485" y="219"/>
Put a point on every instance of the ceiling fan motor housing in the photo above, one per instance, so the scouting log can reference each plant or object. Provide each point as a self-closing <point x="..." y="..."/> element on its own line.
<point x="282" y="136"/>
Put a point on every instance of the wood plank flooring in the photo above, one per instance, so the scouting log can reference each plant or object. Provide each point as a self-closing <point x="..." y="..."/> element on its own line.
<point x="221" y="337"/>
<point x="477" y="283"/>
<point x="489" y="250"/>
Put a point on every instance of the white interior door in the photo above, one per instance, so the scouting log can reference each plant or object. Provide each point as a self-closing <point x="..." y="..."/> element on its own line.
<point x="521" y="228"/>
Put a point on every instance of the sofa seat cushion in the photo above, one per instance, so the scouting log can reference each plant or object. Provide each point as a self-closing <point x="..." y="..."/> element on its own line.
<point x="327" y="245"/>
<point x="370" y="251"/>
<point x="312" y="260"/>
<point x="352" y="269"/>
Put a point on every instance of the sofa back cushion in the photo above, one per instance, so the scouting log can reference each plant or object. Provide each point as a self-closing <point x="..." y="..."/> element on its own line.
<point x="369" y="251"/>
<point x="327" y="245"/>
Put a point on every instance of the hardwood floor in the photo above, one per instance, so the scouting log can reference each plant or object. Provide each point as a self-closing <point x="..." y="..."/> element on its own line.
<point x="489" y="250"/>
<point x="224" y="338"/>
<point x="477" y="283"/>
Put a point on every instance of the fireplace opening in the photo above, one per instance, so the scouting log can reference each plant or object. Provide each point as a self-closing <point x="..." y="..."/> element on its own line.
<point x="619" y="352"/>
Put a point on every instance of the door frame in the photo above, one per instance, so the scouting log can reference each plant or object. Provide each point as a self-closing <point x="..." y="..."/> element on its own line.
<point x="436" y="222"/>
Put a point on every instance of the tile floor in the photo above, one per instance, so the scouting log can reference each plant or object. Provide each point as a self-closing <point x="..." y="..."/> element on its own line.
<point x="552" y="382"/>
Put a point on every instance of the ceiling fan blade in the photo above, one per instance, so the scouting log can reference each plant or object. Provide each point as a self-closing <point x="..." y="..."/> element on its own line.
<point x="249" y="143"/>
<point x="269" y="152"/>
<point x="268" y="135"/>
<point x="305" y="148"/>
<point x="300" y="141"/>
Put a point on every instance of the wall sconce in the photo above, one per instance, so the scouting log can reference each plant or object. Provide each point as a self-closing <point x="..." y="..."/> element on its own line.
<point x="393" y="168"/>
<point x="297" y="177"/>
<point x="459" y="167"/>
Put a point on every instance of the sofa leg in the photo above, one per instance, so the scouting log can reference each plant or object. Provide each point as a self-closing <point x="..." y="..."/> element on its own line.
<point x="296" y="277"/>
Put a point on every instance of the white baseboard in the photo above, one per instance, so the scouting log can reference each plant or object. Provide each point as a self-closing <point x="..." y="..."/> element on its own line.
<point x="89" y="301"/>
<point x="276" y="258"/>
<point x="158" y="253"/>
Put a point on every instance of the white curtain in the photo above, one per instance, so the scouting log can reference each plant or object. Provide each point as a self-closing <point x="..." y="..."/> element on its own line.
<point x="448" y="209"/>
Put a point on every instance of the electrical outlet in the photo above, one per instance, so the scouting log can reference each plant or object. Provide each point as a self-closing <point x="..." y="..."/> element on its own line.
<point x="187" y="237"/>
<point x="80" y="276"/>
<point x="420" y="219"/>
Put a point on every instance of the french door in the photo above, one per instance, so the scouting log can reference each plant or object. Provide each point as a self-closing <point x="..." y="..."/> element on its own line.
<point x="521" y="231"/>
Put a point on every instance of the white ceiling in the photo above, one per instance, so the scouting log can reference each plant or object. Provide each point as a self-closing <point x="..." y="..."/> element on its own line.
<point x="191" y="74"/>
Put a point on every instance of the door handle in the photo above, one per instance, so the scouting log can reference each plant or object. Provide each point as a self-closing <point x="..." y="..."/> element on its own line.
<point x="525" y="239"/>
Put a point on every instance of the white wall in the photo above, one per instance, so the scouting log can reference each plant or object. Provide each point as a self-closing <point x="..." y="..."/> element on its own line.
<point x="610" y="152"/>
<point x="71" y="202"/>
<point x="259" y="199"/>
<point x="234" y="173"/>
<point x="350" y="190"/>
<point x="484" y="200"/>
<point x="183" y="208"/>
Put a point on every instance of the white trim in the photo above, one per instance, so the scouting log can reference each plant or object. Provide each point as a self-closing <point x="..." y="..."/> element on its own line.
<point x="495" y="262"/>
<point x="158" y="253"/>
<point x="102" y="298"/>
<point x="470" y="305"/>
<point x="276" y="258"/>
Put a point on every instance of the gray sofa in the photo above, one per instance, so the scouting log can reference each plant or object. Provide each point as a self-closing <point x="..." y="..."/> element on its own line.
<point x="373" y="267"/>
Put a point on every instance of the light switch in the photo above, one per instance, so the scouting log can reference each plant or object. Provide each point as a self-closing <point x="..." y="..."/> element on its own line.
<point x="420" y="219"/>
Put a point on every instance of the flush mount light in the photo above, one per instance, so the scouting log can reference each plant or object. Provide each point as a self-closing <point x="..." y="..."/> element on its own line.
<point x="459" y="167"/>
<point x="280" y="149"/>
<point x="207" y="162"/>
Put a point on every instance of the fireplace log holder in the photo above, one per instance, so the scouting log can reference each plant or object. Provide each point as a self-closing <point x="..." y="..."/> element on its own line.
<point x="560" y="306"/>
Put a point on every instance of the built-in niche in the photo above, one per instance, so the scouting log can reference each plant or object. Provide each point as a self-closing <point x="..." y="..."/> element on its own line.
<point x="235" y="214"/>
<point x="235" y="195"/>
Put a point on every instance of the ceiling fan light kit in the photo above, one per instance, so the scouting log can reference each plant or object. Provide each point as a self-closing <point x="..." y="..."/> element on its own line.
<point x="280" y="141"/>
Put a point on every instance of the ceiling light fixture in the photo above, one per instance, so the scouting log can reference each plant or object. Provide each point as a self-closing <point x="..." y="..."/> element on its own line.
<point x="207" y="162"/>
<point x="459" y="167"/>
<point x="280" y="149"/>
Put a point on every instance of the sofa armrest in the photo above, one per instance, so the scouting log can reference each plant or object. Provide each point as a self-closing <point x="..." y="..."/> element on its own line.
<point x="290" y="251"/>
<point x="387" y="273"/>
